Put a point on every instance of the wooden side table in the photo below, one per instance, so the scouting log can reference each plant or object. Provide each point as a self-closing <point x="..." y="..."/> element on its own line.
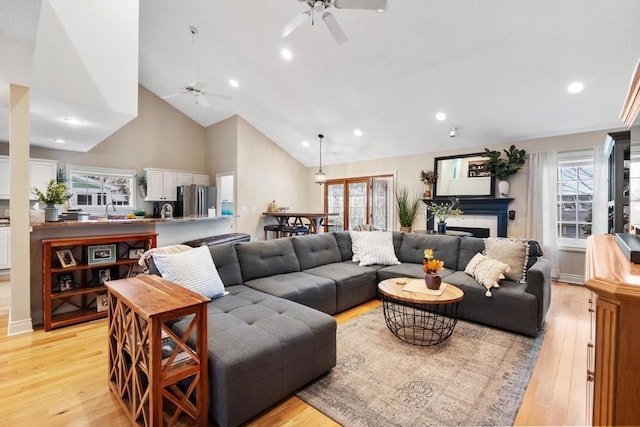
<point x="144" y="379"/>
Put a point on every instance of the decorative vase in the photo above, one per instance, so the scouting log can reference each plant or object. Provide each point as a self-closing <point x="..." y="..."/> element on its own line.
<point x="406" y="229"/>
<point x="427" y="191"/>
<point x="143" y="191"/>
<point x="432" y="281"/>
<point x="503" y="188"/>
<point x="442" y="228"/>
<point x="50" y="212"/>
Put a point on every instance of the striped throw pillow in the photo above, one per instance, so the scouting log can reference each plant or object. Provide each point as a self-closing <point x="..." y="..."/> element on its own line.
<point x="374" y="247"/>
<point x="193" y="269"/>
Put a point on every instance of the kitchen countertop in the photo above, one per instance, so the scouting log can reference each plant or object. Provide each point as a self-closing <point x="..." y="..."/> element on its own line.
<point x="91" y="222"/>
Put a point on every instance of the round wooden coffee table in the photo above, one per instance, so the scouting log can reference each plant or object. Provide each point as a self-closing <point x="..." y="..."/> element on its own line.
<point x="419" y="318"/>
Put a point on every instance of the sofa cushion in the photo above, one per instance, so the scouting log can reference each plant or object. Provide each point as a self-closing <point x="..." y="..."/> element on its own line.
<point x="226" y="261"/>
<point x="469" y="247"/>
<point x="445" y="248"/>
<point x="308" y="289"/>
<point x="407" y="269"/>
<point x="266" y="258"/>
<point x="315" y="250"/>
<point x="354" y="283"/>
<point x="515" y="253"/>
<point x="193" y="269"/>
<point x="373" y="247"/>
<point x="260" y="350"/>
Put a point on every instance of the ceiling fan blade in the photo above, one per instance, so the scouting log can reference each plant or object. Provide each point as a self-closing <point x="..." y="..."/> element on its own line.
<point x="217" y="95"/>
<point x="202" y="101"/>
<point x="173" y="95"/>
<point x="361" y="4"/>
<point x="295" y="23"/>
<point x="333" y="27"/>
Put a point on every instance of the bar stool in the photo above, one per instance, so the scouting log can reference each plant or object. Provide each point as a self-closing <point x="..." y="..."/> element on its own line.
<point x="293" y="230"/>
<point x="274" y="229"/>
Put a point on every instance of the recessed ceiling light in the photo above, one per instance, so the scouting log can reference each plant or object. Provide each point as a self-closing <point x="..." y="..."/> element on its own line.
<point x="74" y="121"/>
<point x="441" y="116"/>
<point x="59" y="140"/>
<point x="380" y="11"/>
<point x="357" y="132"/>
<point x="305" y="144"/>
<point x="234" y="83"/>
<point x="286" y="54"/>
<point x="575" y="87"/>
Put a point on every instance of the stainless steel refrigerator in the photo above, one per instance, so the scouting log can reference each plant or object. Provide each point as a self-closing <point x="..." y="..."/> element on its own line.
<point x="195" y="200"/>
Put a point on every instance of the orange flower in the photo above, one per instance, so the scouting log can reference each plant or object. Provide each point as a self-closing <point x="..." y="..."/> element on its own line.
<point x="428" y="253"/>
<point x="433" y="265"/>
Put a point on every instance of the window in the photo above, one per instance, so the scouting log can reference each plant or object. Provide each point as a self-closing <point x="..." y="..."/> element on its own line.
<point x="94" y="188"/>
<point x="575" y="197"/>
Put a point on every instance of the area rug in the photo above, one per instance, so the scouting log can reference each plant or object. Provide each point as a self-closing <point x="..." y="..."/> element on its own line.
<point x="477" y="377"/>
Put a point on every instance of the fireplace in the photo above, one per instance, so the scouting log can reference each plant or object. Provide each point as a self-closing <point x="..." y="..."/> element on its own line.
<point x="475" y="231"/>
<point x="482" y="214"/>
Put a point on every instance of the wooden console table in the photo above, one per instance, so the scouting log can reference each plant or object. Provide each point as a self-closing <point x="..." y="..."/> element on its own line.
<point x="145" y="381"/>
<point x="616" y="372"/>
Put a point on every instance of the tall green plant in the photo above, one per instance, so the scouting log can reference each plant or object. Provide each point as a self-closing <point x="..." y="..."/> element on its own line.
<point x="407" y="206"/>
<point x="503" y="168"/>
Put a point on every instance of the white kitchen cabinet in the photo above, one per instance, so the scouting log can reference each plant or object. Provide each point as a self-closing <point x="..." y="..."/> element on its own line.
<point x="161" y="184"/>
<point x="201" y="179"/>
<point x="5" y="250"/>
<point x="184" y="178"/>
<point x="41" y="171"/>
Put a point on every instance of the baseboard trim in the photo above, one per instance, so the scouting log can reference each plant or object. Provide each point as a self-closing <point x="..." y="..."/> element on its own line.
<point x="20" y="327"/>
<point x="575" y="279"/>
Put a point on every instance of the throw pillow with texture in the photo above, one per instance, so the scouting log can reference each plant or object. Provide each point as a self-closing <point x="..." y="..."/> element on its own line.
<point x="471" y="267"/>
<point x="193" y="269"/>
<point x="515" y="253"/>
<point x="489" y="272"/>
<point x="373" y="247"/>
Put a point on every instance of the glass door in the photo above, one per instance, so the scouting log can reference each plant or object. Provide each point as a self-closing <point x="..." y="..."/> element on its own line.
<point x="358" y="201"/>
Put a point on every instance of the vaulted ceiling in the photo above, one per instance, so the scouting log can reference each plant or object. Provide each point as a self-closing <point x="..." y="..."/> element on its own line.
<point x="498" y="69"/>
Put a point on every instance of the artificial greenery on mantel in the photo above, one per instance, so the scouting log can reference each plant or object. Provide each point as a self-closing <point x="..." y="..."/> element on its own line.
<point x="503" y="168"/>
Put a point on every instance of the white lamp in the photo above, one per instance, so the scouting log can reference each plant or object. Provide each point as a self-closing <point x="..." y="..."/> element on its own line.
<point x="321" y="177"/>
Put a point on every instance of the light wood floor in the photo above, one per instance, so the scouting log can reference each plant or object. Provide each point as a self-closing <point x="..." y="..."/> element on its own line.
<point x="58" y="378"/>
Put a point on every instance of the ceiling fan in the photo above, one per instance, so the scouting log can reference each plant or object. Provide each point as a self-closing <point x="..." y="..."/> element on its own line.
<point x="193" y="87"/>
<point x="319" y="8"/>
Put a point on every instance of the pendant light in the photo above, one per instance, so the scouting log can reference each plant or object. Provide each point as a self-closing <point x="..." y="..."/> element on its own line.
<point x="321" y="177"/>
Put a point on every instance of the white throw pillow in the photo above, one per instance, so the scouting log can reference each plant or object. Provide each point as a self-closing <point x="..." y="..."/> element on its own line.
<point x="489" y="272"/>
<point x="471" y="267"/>
<point x="193" y="269"/>
<point x="374" y="247"/>
<point x="515" y="253"/>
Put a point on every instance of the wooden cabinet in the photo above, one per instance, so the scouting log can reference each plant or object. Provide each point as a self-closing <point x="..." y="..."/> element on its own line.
<point x="201" y="179"/>
<point x="147" y="359"/>
<point x="184" y="178"/>
<point x="161" y="185"/>
<point x="616" y="368"/>
<point x="74" y="271"/>
<point x="41" y="171"/>
<point x="5" y="249"/>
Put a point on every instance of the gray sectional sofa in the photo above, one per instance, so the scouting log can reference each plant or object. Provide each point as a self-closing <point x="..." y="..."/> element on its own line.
<point x="273" y="333"/>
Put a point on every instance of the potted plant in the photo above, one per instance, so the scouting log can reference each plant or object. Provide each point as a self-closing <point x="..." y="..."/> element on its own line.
<point x="407" y="206"/>
<point x="139" y="213"/>
<point x="428" y="178"/>
<point x="55" y="194"/>
<point x="142" y="185"/>
<point x="443" y="211"/>
<point x="503" y="168"/>
<point x="431" y="266"/>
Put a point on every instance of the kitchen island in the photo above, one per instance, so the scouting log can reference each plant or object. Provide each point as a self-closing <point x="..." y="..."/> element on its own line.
<point x="169" y="231"/>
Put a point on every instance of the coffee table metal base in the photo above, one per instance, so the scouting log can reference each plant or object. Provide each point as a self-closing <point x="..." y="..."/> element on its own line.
<point x="420" y="324"/>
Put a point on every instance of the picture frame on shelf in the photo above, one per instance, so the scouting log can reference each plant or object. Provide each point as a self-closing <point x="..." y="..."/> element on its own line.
<point x="136" y="253"/>
<point x="102" y="302"/>
<point x="65" y="282"/>
<point x="65" y="256"/>
<point x="102" y="275"/>
<point x="101" y="254"/>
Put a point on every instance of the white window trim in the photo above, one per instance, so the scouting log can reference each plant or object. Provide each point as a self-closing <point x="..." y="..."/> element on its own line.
<point x="71" y="168"/>
<point x="573" y="158"/>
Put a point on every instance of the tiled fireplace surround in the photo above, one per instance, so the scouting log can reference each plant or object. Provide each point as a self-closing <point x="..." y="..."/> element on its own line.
<point x="482" y="213"/>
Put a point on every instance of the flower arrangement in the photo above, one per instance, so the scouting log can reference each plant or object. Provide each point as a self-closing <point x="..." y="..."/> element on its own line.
<point x="55" y="194"/>
<point x="428" y="177"/>
<point x="430" y="265"/>
<point x="445" y="210"/>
